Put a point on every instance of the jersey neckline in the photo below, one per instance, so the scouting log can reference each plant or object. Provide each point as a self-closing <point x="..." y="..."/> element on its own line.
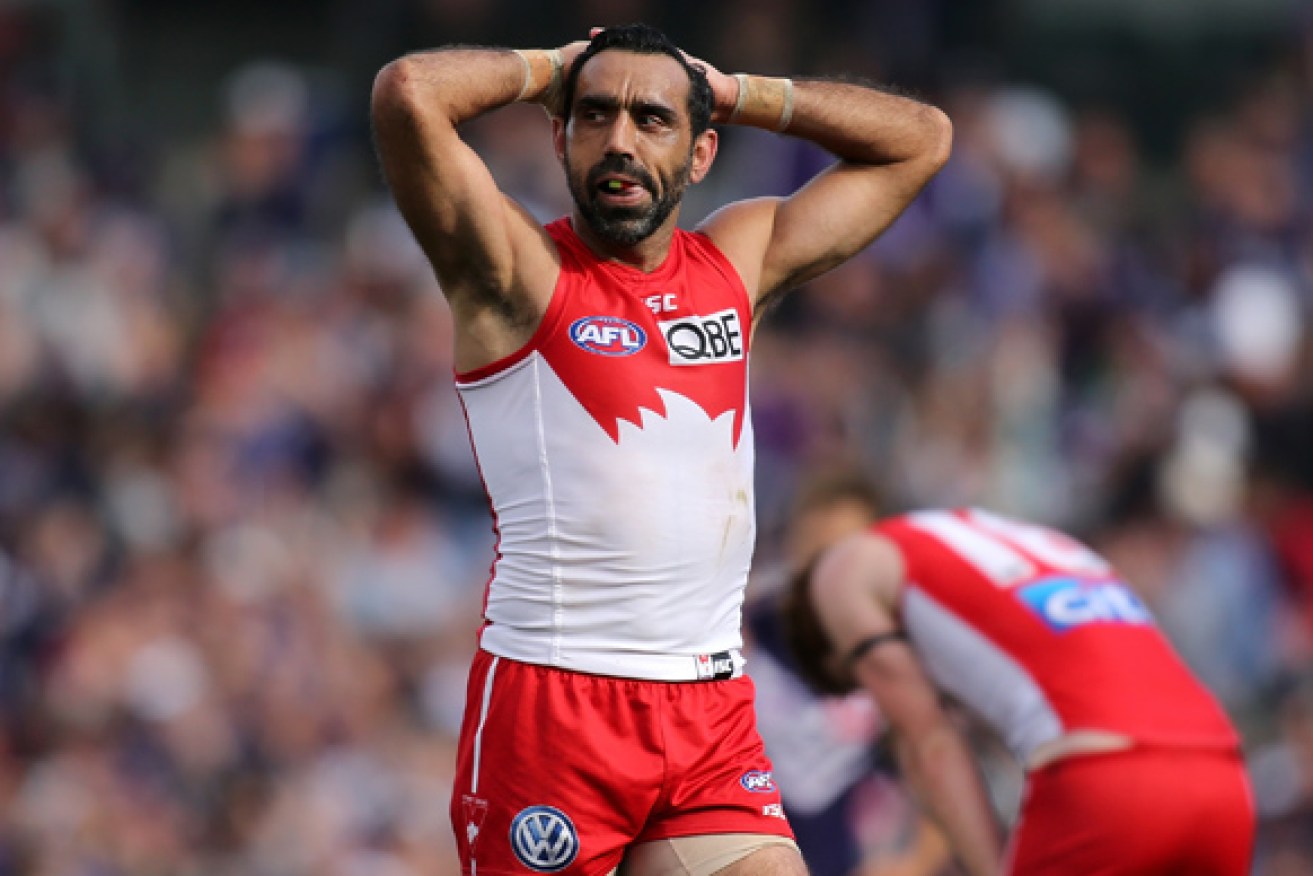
<point x="627" y="272"/>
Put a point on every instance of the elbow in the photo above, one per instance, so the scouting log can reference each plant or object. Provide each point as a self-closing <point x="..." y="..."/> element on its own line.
<point x="395" y="99"/>
<point x="939" y="137"/>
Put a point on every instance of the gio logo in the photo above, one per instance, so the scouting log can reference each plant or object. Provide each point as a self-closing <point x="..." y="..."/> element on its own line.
<point x="544" y="839"/>
<point x="608" y="335"/>
<point x="704" y="340"/>
<point x="1066" y="603"/>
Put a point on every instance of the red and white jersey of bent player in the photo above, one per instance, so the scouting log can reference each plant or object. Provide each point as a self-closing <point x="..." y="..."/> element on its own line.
<point x="616" y="449"/>
<point x="1038" y="635"/>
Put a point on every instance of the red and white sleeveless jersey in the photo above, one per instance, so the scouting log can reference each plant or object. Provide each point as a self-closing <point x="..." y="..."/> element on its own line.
<point x="1038" y="635"/>
<point x="616" y="449"/>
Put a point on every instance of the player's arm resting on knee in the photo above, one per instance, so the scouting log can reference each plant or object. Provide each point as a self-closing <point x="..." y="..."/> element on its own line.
<point x="477" y="239"/>
<point x="943" y="776"/>
<point x="854" y="591"/>
<point x="888" y="148"/>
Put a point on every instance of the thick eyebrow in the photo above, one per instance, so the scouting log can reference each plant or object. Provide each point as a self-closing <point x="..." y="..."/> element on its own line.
<point x="660" y="110"/>
<point x="607" y="103"/>
<point x="597" y="102"/>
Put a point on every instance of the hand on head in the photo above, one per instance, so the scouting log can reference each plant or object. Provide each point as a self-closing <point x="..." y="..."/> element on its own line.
<point x="724" y="88"/>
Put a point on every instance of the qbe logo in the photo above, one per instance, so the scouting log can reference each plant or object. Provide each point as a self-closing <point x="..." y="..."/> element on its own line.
<point x="1067" y="603"/>
<point x="758" y="782"/>
<point x="704" y="340"/>
<point x="544" y="839"/>
<point x="608" y="335"/>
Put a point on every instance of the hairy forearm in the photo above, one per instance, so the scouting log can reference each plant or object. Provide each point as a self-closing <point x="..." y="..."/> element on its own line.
<point x="945" y="779"/>
<point x="453" y="85"/>
<point x="867" y="125"/>
<point x="858" y="123"/>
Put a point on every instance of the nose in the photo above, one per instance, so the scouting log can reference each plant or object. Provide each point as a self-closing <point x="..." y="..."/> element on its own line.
<point x="620" y="136"/>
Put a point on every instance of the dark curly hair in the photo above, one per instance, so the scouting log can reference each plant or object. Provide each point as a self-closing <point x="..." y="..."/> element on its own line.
<point x="812" y="650"/>
<point x="644" y="39"/>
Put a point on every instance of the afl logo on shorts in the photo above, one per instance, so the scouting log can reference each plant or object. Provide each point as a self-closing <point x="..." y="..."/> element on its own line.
<point x="608" y="335"/>
<point x="758" y="782"/>
<point x="544" y="839"/>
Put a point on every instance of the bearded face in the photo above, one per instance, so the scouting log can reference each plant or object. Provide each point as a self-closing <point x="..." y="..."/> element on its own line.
<point x="622" y="202"/>
<point x="628" y="147"/>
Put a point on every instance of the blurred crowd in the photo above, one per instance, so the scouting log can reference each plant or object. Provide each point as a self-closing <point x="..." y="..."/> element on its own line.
<point x="243" y="541"/>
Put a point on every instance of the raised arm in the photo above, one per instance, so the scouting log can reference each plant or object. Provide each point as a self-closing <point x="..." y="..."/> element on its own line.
<point x="492" y="258"/>
<point x="888" y="149"/>
<point x="854" y="590"/>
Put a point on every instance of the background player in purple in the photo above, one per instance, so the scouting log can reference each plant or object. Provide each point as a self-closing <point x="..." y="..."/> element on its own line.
<point x="601" y="361"/>
<point x="1132" y="767"/>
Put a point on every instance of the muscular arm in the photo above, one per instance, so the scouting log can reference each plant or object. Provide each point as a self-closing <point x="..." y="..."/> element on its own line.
<point x="493" y="260"/>
<point x="888" y="149"/>
<point x="855" y="588"/>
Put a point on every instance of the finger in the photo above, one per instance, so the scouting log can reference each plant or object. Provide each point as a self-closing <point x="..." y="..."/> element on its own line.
<point x="594" y="31"/>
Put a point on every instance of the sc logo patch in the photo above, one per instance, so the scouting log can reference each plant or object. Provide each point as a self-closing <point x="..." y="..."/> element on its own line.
<point x="608" y="335"/>
<point x="544" y="839"/>
<point x="758" y="782"/>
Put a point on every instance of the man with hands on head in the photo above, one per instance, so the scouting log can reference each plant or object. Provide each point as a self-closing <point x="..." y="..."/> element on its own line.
<point x="1132" y="766"/>
<point x="601" y="361"/>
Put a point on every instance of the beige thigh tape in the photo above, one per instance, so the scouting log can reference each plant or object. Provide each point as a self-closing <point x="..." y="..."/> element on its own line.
<point x="695" y="855"/>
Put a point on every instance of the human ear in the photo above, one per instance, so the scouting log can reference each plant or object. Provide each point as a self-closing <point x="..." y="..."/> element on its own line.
<point x="704" y="153"/>
<point x="558" y="137"/>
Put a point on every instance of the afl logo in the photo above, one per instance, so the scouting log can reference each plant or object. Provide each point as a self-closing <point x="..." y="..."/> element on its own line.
<point x="758" y="782"/>
<point x="608" y="335"/>
<point x="544" y="839"/>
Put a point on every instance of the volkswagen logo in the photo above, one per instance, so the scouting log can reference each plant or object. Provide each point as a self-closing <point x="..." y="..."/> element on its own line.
<point x="544" y="839"/>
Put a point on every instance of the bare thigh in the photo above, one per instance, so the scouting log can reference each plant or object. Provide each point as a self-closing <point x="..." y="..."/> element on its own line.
<point x="730" y="854"/>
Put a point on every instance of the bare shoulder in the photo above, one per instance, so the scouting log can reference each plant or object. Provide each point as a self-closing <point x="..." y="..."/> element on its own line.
<point x="538" y="260"/>
<point x="861" y="566"/>
<point x="497" y="306"/>
<point x="742" y="231"/>
<point x="516" y="284"/>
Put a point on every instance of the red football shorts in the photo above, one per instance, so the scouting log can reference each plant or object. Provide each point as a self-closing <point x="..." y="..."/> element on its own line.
<point x="1143" y="812"/>
<point x="558" y="772"/>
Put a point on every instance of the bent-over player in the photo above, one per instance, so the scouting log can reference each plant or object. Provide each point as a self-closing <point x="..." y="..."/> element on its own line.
<point x="1132" y="766"/>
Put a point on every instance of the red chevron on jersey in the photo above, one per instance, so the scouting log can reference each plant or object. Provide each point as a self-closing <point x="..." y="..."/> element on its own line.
<point x="623" y="549"/>
<point x="616" y="335"/>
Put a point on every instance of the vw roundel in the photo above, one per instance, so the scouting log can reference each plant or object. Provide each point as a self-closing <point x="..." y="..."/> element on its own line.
<point x="608" y="335"/>
<point x="544" y="839"/>
<point x="758" y="782"/>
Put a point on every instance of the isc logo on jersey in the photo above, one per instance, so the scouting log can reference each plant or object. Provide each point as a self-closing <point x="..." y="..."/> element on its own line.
<point x="704" y="340"/>
<point x="1067" y="603"/>
<point x="608" y="335"/>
